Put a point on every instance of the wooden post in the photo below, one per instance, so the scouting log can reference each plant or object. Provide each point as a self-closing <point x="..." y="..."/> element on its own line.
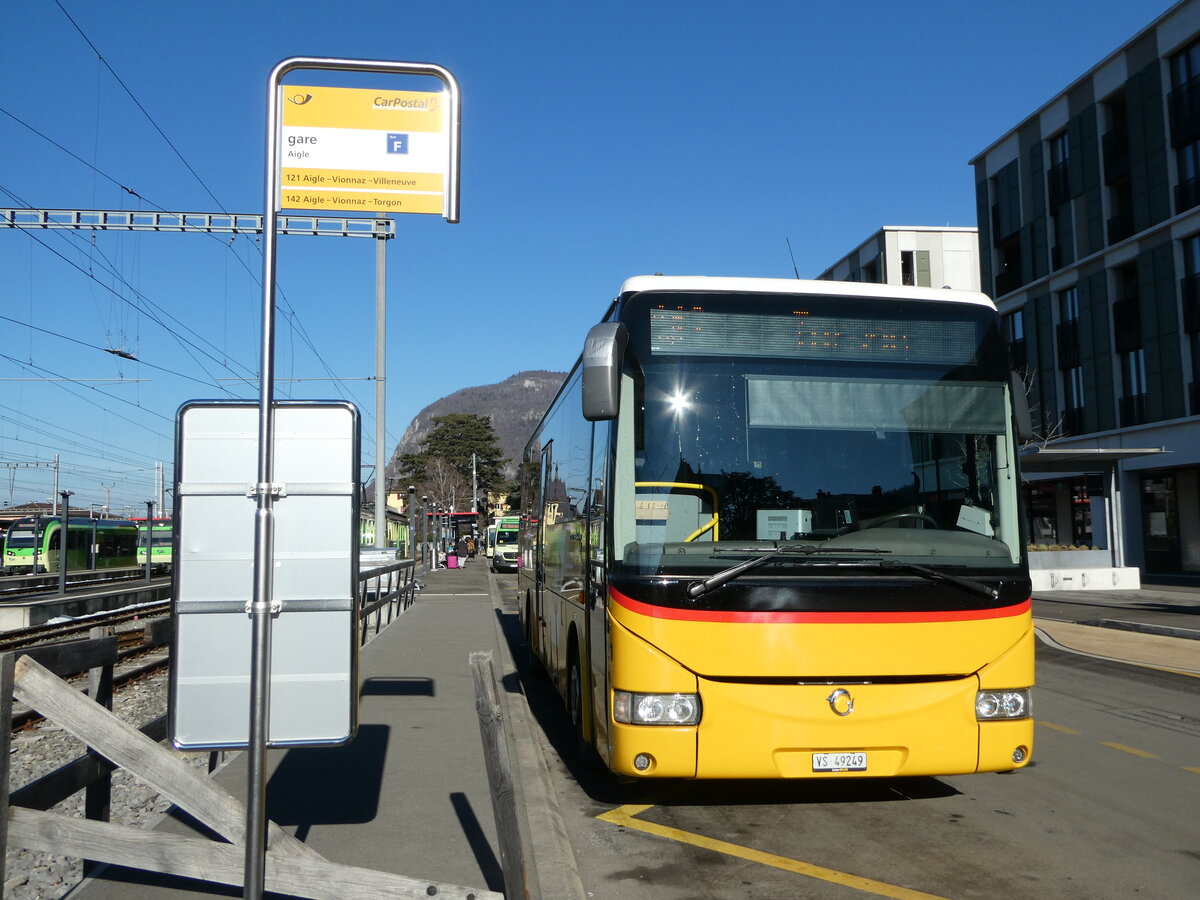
<point x="495" y="754"/>
<point x="97" y="802"/>
<point x="6" y="704"/>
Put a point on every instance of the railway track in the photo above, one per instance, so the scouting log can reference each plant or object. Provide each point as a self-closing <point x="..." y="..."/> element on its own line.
<point x="21" y="638"/>
<point x="26" y="588"/>
<point x="143" y="641"/>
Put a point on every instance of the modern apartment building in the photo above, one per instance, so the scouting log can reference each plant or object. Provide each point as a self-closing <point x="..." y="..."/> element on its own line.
<point x="926" y="257"/>
<point x="1089" y="240"/>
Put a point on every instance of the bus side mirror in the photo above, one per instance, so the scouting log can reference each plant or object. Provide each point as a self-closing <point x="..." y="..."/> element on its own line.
<point x="603" y="351"/>
<point x="1020" y="401"/>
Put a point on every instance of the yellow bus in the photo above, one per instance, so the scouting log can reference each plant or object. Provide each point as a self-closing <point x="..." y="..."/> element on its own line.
<point x="770" y="529"/>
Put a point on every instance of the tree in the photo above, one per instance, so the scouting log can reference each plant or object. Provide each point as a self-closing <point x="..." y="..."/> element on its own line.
<point x="453" y="440"/>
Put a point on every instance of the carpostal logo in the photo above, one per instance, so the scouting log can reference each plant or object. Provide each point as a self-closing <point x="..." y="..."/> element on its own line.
<point x="418" y="104"/>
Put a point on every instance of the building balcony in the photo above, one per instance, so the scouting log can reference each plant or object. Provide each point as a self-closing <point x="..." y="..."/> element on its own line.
<point x="1189" y="290"/>
<point x="1184" y="105"/>
<point x="1127" y="325"/>
<point x="1008" y="281"/>
<point x="1116" y="155"/>
<point x="1073" y="421"/>
<point x="1058" y="186"/>
<point x="1068" y="344"/>
<point x="1133" y="410"/>
<point x="1018" y="357"/>
<point x="1120" y="227"/>
<point x="1187" y="194"/>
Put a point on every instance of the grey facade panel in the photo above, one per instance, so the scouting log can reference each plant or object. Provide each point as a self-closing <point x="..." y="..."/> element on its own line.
<point x="983" y="217"/>
<point x="1089" y="149"/>
<point x="1160" y="330"/>
<point x="1095" y="237"/>
<point x="1151" y="199"/>
<point x="1045" y="397"/>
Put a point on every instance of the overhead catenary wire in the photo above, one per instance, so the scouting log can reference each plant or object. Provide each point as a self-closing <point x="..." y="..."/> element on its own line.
<point x="290" y="313"/>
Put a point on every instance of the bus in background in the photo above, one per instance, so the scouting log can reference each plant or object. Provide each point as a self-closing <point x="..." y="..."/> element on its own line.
<point x="33" y="544"/>
<point x="771" y="530"/>
<point x="160" y="542"/>
<point x="504" y="547"/>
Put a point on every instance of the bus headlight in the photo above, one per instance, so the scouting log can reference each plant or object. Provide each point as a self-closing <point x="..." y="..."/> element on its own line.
<point x="656" y="709"/>
<point x="990" y="705"/>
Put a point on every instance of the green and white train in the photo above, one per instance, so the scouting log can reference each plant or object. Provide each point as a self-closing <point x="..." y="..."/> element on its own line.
<point x="33" y="545"/>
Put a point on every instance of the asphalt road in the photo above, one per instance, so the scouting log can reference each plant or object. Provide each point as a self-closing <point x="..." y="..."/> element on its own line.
<point x="1107" y="808"/>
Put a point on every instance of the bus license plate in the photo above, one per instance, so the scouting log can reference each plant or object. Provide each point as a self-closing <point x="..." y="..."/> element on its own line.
<point x="839" y="762"/>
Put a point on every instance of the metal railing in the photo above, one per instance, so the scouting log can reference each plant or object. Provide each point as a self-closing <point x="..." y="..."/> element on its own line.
<point x="392" y="588"/>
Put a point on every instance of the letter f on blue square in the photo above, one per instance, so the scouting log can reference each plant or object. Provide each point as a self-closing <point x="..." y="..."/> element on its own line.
<point x="397" y="143"/>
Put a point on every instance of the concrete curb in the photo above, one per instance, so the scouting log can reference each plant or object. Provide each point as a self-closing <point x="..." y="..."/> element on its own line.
<point x="552" y="871"/>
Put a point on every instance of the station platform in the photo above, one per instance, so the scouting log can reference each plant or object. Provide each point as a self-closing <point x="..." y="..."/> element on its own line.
<point x="410" y="794"/>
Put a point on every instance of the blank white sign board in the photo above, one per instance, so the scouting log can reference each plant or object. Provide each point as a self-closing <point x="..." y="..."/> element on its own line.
<point x="314" y="647"/>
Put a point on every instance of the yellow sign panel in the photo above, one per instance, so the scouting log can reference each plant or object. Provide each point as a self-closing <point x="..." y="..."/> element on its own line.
<point x="361" y="201"/>
<point x="355" y="149"/>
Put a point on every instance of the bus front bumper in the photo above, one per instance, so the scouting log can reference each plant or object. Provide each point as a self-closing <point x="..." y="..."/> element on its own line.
<point x="826" y="731"/>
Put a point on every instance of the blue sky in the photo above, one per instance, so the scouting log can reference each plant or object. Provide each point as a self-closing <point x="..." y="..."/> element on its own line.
<point x="599" y="141"/>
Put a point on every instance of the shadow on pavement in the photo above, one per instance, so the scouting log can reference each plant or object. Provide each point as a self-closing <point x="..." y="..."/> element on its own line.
<point x="489" y="865"/>
<point x="342" y="784"/>
<point x="399" y="686"/>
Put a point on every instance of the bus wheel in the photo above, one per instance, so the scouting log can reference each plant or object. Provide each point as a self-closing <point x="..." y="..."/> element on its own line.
<point x="589" y="759"/>
<point x="530" y="656"/>
<point x="575" y="694"/>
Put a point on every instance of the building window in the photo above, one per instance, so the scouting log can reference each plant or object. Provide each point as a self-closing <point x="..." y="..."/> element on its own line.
<point x="1115" y="142"/>
<point x="1058" y="186"/>
<point x="1133" y="375"/>
<point x="1068" y="304"/>
<point x="1184" y="100"/>
<point x="1187" y="191"/>
<point x="1015" y="325"/>
<point x="1068" y="328"/>
<point x="1160" y="524"/>
<point x="1073" y="400"/>
<point x="1189" y="284"/>
<point x="1126" y="310"/>
<point x="1043" y="514"/>
<point x="1194" y="384"/>
<point x="914" y="268"/>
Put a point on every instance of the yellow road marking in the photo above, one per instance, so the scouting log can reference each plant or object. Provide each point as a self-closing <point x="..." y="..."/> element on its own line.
<point x="1133" y="751"/>
<point x="1063" y="728"/>
<point x="625" y="815"/>
<point x="1195" y="770"/>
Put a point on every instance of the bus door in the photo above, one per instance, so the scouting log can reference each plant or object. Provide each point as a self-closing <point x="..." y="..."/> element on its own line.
<point x="539" y="549"/>
<point x="595" y="651"/>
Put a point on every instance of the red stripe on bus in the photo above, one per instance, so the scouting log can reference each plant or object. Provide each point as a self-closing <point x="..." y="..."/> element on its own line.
<point x="778" y="618"/>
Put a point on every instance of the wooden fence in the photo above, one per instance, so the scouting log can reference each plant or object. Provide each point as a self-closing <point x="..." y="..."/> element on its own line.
<point x="36" y="677"/>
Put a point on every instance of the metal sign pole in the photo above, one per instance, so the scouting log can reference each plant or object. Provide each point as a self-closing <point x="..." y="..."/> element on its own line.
<point x="262" y="606"/>
<point x="380" y="388"/>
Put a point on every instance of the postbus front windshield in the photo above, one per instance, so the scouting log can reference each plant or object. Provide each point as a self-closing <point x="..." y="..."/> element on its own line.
<point x="844" y="429"/>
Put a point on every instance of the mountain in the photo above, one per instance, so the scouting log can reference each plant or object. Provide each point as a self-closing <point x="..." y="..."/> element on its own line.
<point x="515" y="406"/>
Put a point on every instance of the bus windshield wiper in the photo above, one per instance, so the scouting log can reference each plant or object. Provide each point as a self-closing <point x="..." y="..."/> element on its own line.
<point x="698" y="589"/>
<point x="966" y="584"/>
